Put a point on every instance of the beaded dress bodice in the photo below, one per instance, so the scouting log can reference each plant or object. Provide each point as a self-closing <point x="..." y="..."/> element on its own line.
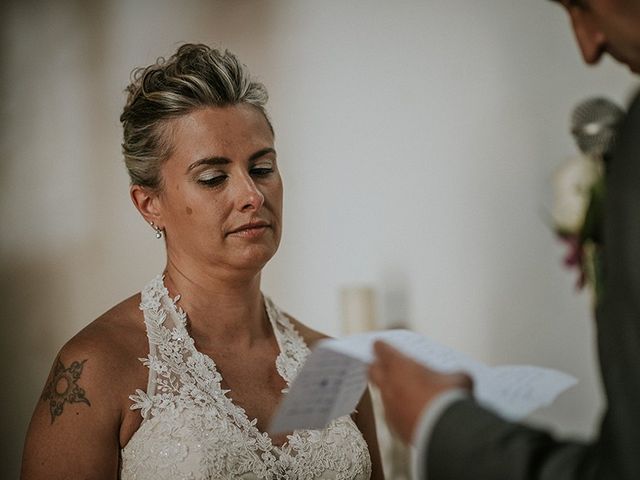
<point x="191" y="429"/>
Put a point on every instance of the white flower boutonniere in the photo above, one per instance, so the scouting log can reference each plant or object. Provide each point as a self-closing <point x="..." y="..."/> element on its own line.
<point x="577" y="216"/>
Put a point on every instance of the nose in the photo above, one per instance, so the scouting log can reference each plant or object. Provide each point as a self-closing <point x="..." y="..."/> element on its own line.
<point x="249" y="196"/>
<point x="590" y="38"/>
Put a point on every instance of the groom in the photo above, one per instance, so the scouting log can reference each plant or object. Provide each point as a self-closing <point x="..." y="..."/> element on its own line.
<point x="458" y="439"/>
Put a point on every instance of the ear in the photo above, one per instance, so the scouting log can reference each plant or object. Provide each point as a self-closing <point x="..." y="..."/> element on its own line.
<point x="147" y="202"/>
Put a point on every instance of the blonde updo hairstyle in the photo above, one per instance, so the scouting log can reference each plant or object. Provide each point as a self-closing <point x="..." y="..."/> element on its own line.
<point x="195" y="76"/>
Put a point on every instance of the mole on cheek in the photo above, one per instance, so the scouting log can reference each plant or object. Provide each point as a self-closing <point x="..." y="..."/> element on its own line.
<point x="189" y="211"/>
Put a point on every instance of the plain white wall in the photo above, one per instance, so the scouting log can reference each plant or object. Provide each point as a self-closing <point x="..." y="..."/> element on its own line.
<point x="416" y="139"/>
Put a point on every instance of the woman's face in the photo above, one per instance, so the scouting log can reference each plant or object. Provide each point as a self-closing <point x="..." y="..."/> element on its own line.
<point x="221" y="199"/>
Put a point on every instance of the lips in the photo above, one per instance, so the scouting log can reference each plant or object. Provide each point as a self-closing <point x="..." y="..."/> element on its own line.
<point x="254" y="225"/>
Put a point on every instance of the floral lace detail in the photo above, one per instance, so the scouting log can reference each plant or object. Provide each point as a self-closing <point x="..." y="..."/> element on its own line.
<point x="191" y="429"/>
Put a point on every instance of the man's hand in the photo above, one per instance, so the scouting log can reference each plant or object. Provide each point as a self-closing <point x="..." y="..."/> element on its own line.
<point x="407" y="387"/>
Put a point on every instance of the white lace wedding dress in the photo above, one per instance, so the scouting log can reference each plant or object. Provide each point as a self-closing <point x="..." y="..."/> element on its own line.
<point x="192" y="430"/>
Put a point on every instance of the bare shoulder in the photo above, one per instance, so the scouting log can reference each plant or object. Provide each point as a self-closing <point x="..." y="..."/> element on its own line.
<point x="309" y="335"/>
<point x="92" y="367"/>
<point x="109" y="344"/>
<point x="114" y="328"/>
<point x="81" y="406"/>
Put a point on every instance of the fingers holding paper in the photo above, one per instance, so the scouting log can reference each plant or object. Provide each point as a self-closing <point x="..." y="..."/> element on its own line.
<point x="407" y="387"/>
<point x="332" y="380"/>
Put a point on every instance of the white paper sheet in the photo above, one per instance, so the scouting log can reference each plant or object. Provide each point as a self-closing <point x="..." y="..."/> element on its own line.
<point x="334" y="377"/>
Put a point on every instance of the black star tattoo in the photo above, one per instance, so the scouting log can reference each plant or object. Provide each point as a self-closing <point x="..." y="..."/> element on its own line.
<point x="63" y="388"/>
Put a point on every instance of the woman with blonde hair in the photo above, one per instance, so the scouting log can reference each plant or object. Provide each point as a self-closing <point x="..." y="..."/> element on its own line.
<point x="182" y="379"/>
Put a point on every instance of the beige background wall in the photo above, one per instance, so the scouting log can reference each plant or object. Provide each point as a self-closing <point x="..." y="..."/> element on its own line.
<point x="416" y="138"/>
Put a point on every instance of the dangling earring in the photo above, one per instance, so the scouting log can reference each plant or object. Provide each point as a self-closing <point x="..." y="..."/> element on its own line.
<point x="157" y="229"/>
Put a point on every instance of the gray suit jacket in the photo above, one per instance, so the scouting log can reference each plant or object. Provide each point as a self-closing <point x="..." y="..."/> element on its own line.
<point x="469" y="442"/>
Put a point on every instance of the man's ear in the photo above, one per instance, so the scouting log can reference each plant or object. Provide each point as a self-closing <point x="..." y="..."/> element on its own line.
<point x="147" y="202"/>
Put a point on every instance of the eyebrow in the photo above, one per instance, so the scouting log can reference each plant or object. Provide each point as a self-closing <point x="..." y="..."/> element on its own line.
<point x="225" y="161"/>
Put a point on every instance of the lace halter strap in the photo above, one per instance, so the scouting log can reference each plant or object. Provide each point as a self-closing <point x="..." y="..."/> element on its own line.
<point x="174" y="362"/>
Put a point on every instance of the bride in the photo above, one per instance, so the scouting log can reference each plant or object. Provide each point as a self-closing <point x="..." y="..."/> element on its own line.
<point x="181" y="380"/>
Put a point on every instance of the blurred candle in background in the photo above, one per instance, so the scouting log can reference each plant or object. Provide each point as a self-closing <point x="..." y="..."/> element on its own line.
<point x="358" y="309"/>
<point x="358" y="305"/>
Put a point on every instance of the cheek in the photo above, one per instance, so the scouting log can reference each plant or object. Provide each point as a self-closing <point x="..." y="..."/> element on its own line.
<point x="278" y="210"/>
<point x="278" y="192"/>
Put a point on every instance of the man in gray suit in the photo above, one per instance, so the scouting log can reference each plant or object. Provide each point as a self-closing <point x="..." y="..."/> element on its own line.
<point x="458" y="439"/>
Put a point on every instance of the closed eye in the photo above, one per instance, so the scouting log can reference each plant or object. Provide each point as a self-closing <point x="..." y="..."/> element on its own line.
<point x="261" y="171"/>
<point x="212" y="181"/>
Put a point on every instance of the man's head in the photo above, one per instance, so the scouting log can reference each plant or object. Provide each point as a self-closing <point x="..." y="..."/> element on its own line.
<point x="607" y="26"/>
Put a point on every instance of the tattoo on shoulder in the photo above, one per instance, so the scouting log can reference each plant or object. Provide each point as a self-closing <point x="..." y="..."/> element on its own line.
<point x="63" y="387"/>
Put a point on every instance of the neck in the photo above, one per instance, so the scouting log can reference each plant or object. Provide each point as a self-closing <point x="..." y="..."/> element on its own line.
<point x="222" y="308"/>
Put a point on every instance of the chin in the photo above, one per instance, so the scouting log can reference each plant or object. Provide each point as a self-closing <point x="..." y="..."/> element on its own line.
<point x="255" y="257"/>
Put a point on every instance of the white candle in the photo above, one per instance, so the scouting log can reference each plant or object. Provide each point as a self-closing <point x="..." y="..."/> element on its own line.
<point x="358" y="309"/>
